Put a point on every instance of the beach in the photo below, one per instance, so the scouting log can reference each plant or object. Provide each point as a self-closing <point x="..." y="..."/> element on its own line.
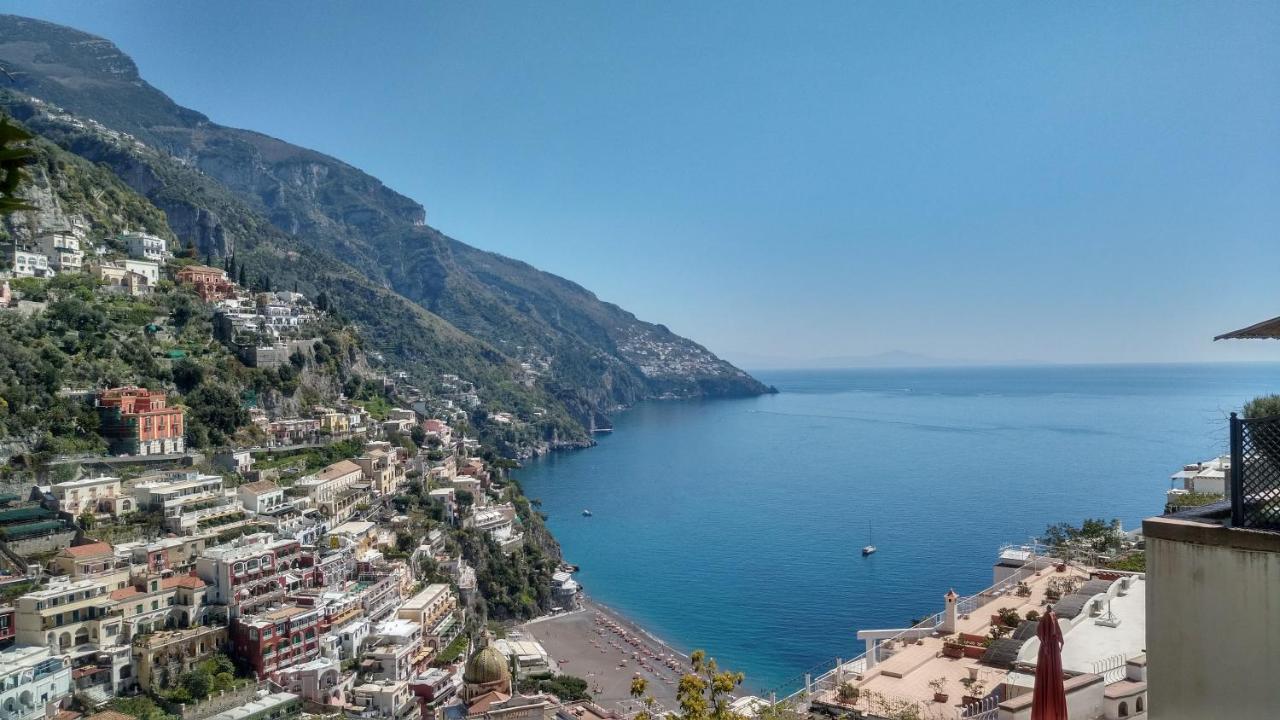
<point x="604" y="648"/>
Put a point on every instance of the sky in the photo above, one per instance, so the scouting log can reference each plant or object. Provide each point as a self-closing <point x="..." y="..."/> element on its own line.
<point x="1062" y="182"/>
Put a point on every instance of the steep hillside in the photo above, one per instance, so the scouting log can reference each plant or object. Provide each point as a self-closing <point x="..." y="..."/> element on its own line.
<point x="407" y="336"/>
<point x="591" y="355"/>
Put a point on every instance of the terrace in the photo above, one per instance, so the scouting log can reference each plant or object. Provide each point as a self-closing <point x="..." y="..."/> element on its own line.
<point x="978" y="655"/>
<point x="907" y="666"/>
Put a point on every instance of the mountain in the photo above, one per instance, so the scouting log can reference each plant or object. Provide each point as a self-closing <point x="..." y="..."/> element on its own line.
<point x="221" y="186"/>
<point x="889" y="359"/>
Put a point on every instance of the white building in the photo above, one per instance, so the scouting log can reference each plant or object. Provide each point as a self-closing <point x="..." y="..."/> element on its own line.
<point x="32" y="682"/>
<point x="500" y="523"/>
<point x="318" y="680"/>
<point x="31" y="264"/>
<point x="1204" y="478"/>
<point x="261" y="497"/>
<point x="145" y="268"/>
<point x="394" y="651"/>
<point x="62" y="249"/>
<point x="333" y="489"/>
<point x="386" y="699"/>
<point x="189" y="500"/>
<point x="142" y="246"/>
<point x="93" y="495"/>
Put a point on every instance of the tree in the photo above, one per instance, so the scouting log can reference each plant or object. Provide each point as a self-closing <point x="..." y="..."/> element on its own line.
<point x="217" y="408"/>
<point x="140" y="707"/>
<point x="87" y="520"/>
<point x="704" y="694"/>
<point x="197" y="682"/>
<point x="242" y="280"/>
<point x="1264" y="406"/>
<point x="187" y="374"/>
<point x="418" y="435"/>
<point x="322" y="301"/>
<point x="13" y="159"/>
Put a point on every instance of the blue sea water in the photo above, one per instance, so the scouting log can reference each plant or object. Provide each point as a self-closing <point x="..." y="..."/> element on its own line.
<point x="736" y="525"/>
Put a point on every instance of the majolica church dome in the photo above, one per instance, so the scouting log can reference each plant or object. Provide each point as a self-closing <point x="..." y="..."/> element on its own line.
<point x="485" y="672"/>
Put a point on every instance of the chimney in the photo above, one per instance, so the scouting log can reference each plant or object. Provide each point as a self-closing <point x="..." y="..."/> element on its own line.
<point x="948" y="625"/>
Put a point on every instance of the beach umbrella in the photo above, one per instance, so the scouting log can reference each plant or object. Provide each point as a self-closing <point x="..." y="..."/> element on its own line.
<point x="1049" y="698"/>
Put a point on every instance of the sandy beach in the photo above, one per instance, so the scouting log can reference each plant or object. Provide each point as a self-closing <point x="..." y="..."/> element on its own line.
<point x="607" y="650"/>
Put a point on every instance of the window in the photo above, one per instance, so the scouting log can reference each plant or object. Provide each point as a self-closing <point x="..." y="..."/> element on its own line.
<point x="155" y="604"/>
<point x="1124" y="709"/>
<point x="253" y="634"/>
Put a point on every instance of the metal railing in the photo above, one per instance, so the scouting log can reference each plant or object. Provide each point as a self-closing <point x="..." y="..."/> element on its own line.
<point x="1255" y="472"/>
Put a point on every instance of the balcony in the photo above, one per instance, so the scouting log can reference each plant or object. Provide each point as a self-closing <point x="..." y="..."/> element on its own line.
<point x="1255" y="472"/>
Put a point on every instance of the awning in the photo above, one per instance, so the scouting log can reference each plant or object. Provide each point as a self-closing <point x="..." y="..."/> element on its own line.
<point x="1267" y="329"/>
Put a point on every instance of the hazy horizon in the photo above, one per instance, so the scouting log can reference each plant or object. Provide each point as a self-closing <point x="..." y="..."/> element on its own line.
<point x="1043" y="183"/>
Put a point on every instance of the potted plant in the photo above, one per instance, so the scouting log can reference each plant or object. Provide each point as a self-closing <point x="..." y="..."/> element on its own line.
<point x="1008" y="617"/>
<point x="974" y="690"/>
<point x="1033" y="616"/>
<point x="1024" y="590"/>
<point x="848" y="693"/>
<point x="939" y="687"/>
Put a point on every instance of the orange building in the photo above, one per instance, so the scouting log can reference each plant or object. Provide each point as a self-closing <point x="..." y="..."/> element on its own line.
<point x="210" y="283"/>
<point x="137" y="421"/>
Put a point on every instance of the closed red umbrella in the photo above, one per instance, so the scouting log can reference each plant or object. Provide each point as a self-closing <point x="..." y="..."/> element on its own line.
<point x="1049" y="698"/>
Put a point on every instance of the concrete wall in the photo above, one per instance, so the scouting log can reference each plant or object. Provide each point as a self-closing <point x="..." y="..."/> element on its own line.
<point x="1213" y="624"/>
<point x="43" y="544"/>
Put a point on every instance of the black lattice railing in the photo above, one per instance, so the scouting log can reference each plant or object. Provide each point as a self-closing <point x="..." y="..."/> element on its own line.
<point x="1255" y="472"/>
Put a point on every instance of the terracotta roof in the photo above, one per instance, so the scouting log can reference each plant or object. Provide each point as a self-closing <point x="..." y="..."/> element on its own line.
<point x="98" y="548"/>
<point x="482" y="703"/>
<point x="187" y="581"/>
<point x="262" y="486"/>
<point x="67" y="715"/>
<point x="337" y="470"/>
<point x="125" y="593"/>
<point x="203" y="269"/>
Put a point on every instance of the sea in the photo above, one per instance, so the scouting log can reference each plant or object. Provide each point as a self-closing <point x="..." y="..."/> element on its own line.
<point x="736" y="526"/>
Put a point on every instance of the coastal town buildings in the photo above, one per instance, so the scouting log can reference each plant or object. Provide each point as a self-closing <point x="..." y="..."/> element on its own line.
<point x="278" y="639"/>
<point x="137" y="421"/>
<point x="1207" y="480"/>
<point x="336" y="489"/>
<point x="33" y="681"/>
<point x="209" y="283"/>
<point x="144" y="246"/>
<point x="92" y="495"/>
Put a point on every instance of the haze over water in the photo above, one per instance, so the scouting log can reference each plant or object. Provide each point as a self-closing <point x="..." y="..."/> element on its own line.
<point x="736" y="525"/>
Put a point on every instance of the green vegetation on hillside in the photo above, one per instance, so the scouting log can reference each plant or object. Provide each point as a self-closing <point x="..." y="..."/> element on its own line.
<point x="484" y="313"/>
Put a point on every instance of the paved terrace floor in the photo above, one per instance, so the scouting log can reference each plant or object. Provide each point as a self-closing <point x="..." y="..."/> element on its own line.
<point x="906" y="674"/>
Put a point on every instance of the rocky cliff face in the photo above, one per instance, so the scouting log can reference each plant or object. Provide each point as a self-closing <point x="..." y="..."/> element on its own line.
<point x="591" y="355"/>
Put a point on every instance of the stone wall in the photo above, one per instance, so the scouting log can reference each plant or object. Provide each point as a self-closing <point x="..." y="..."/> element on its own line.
<point x="214" y="704"/>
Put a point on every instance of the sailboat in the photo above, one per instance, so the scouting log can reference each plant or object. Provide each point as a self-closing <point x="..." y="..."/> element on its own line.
<point x="869" y="547"/>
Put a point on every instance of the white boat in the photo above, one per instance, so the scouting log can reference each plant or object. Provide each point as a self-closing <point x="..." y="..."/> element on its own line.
<point x="586" y="513"/>
<point x="869" y="547"/>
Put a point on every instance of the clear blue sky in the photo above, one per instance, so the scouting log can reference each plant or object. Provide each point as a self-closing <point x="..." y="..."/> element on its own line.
<point x="1049" y="181"/>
